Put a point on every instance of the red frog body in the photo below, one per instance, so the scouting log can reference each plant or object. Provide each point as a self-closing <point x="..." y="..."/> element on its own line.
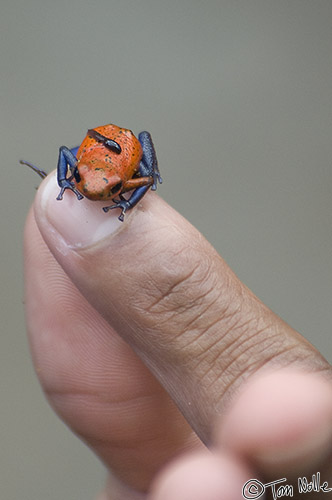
<point x="109" y="162"/>
<point x="103" y="173"/>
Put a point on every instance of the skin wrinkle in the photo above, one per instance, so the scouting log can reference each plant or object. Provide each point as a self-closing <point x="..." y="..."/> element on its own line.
<point x="301" y="355"/>
<point x="98" y="396"/>
<point x="122" y="446"/>
<point x="145" y="439"/>
<point x="299" y="360"/>
<point x="180" y="326"/>
<point x="166" y="294"/>
<point x="233" y="345"/>
<point x="232" y="329"/>
<point x="244" y="341"/>
<point x="204" y="330"/>
<point x="203" y="312"/>
<point x="192" y="339"/>
<point x="113" y="410"/>
<point x="264" y="347"/>
<point x="194" y="278"/>
<point x="222" y="352"/>
<point x="176" y="298"/>
<point x="199" y="338"/>
<point x="179" y="288"/>
<point x="266" y="363"/>
<point x="221" y="375"/>
<point x="153" y="283"/>
<point x="119" y="442"/>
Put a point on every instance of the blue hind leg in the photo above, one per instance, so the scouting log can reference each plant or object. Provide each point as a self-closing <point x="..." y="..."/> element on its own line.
<point x="41" y="172"/>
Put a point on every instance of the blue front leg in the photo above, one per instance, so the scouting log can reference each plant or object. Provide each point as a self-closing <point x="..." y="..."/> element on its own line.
<point x="148" y="168"/>
<point x="66" y="158"/>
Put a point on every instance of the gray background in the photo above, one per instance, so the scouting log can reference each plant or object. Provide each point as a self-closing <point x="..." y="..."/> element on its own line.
<point x="238" y="98"/>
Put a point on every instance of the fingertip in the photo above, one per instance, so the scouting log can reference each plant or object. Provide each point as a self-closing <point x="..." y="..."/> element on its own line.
<point x="71" y="222"/>
<point x="201" y="476"/>
<point x="281" y="422"/>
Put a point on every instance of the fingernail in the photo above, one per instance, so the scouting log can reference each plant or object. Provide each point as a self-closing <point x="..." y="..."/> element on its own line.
<point x="80" y="223"/>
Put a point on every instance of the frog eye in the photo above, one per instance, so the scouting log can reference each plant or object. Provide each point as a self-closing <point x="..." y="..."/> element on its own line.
<point x="116" y="189"/>
<point x="76" y="175"/>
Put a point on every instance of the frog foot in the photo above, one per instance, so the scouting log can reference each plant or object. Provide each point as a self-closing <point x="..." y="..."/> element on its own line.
<point x="66" y="184"/>
<point x="156" y="178"/>
<point x="123" y="204"/>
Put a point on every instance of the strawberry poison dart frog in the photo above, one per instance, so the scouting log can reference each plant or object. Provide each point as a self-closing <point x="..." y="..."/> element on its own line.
<point x="109" y="162"/>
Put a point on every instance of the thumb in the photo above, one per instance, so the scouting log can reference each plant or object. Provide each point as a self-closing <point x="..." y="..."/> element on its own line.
<point x="168" y="294"/>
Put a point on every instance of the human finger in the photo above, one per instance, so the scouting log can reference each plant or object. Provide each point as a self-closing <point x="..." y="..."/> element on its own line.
<point x="172" y="298"/>
<point x="201" y="476"/>
<point x="281" y="423"/>
<point x="94" y="380"/>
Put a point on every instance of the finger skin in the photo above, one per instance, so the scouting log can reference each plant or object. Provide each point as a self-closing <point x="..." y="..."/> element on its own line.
<point x="164" y="289"/>
<point x="201" y="476"/>
<point x="281" y="423"/>
<point x="93" y="379"/>
<point x="157" y="283"/>
<point x="117" y="490"/>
